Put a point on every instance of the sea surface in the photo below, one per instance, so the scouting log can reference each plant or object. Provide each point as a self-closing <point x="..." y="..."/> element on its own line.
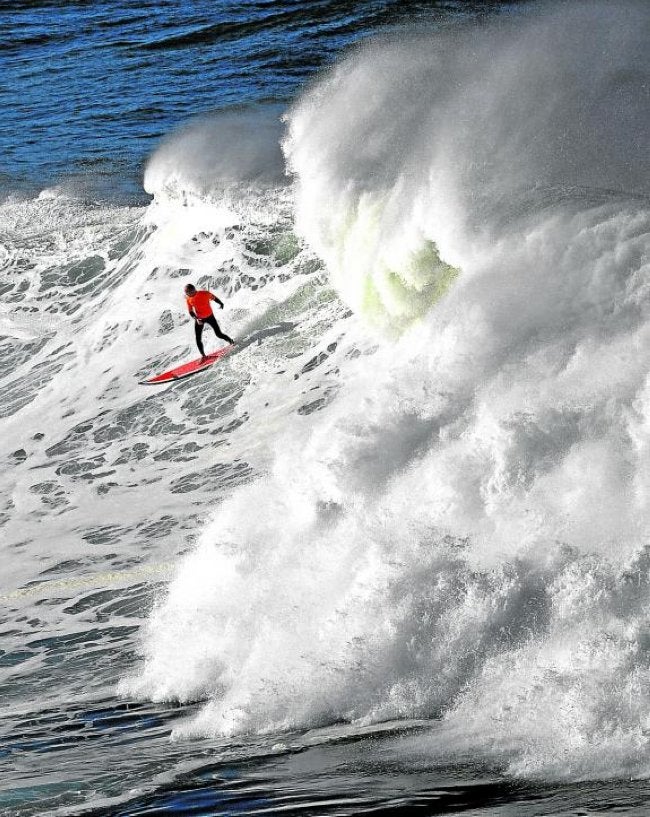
<point x="391" y="555"/>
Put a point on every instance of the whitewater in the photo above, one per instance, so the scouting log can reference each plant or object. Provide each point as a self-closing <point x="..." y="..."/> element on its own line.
<point x="416" y="499"/>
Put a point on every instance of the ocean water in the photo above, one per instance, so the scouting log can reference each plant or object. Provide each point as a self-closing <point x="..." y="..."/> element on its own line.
<point x="392" y="555"/>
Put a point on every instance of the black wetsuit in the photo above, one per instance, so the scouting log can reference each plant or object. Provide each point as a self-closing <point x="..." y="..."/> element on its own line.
<point x="198" y="331"/>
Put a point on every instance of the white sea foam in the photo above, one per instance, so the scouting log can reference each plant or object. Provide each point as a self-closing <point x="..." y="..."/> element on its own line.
<point x="96" y="303"/>
<point x="462" y="532"/>
<point x="218" y="151"/>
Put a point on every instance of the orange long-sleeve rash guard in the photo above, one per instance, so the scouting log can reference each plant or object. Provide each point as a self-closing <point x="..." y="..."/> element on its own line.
<point x="199" y="303"/>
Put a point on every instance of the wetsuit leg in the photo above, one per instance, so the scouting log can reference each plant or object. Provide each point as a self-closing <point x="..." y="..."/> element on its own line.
<point x="198" y="331"/>
<point x="212" y="321"/>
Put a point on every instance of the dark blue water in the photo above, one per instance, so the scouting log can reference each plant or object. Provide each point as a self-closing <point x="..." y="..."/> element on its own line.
<point x="89" y="88"/>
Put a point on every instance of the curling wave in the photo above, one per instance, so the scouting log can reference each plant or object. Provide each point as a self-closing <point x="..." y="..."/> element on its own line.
<point x="461" y="533"/>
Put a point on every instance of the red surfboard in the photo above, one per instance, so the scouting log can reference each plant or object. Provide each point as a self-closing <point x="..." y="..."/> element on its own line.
<point x="187" y="369"/>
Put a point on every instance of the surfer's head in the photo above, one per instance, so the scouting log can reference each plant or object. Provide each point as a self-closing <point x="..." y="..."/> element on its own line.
<point x="190" y="289"/>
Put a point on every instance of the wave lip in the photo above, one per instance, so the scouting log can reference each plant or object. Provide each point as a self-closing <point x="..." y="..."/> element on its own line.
<point x="412" y="149"/>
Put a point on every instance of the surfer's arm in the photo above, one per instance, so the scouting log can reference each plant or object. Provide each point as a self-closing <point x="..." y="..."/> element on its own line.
<point x="214" y="298"/>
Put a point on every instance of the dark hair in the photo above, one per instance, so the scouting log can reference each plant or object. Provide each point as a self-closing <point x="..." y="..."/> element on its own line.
<point x="190" y="288"/>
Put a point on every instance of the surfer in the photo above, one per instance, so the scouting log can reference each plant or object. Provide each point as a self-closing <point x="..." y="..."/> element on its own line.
<point x="198" y="304"/>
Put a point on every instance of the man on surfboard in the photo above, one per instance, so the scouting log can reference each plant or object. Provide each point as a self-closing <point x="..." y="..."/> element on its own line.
<point x="198" y="304"/>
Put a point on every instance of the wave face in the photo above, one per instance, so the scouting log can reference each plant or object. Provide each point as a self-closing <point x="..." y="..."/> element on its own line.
<point x="461" y="531"/>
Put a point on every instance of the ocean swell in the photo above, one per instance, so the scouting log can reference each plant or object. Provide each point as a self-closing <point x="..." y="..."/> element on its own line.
<point x="461" y="533"/>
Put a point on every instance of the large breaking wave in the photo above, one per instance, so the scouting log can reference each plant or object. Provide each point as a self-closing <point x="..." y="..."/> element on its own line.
<point x="462" y="532"/>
